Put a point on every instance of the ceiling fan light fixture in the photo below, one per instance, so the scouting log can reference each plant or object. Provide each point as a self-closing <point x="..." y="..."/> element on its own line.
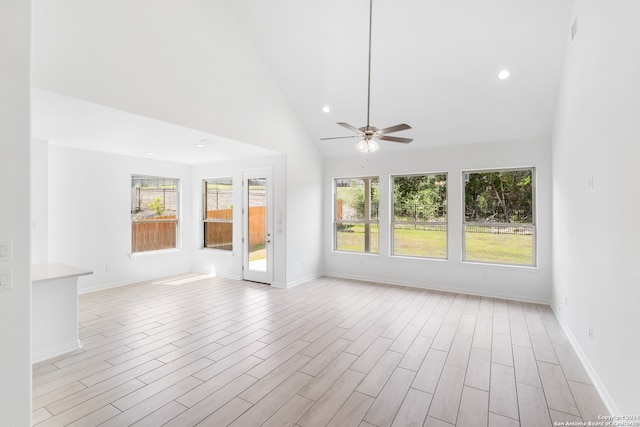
<point x="504" y="74"/>
<point x="367" y="146"/>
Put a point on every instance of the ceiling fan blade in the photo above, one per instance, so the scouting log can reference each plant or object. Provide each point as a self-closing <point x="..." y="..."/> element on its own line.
<point x="339" y="137"/>
<point x="350" y="127"/>
<point x="391" y="129"/>
<point x="394" y="139"/>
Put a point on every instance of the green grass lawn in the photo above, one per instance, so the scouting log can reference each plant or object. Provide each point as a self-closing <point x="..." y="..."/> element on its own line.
<point x="257" y="252"/>
<point x="352" y="239"/>
<point x="500" y="248"/>
<point x="427" y="243"/>
<point x="482" y="247"/>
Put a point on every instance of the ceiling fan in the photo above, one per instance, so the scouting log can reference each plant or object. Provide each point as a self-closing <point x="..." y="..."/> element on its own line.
<point x="369" y="134"/>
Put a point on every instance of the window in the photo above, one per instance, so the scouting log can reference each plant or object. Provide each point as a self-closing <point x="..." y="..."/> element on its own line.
<point x="154" y="213"/>
<point x="499" y="220"/>
<point x="218" y="214"/>
<point x="356" y="215"/>
<point x="419" y="223"/>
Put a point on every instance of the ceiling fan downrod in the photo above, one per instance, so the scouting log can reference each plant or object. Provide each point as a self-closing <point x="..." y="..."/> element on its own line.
<point x="369" y="134"/>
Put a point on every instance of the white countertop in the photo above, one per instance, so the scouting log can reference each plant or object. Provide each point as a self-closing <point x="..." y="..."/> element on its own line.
<point x="54" y="270"/>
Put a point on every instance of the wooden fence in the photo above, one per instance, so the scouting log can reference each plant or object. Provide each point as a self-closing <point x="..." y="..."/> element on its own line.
<point x="160" y="232"/>
<point x="220" y="235"/>
<point x="154" y="234"/>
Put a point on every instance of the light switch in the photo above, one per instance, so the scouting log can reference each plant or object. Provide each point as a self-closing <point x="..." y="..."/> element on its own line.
<point x="6" y="281"/>
<point x="5" y="251"/>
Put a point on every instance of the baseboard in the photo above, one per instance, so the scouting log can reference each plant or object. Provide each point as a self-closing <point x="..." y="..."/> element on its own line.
<point x="439" y="288"/>
<point x="55" y="352"/>
<point x="112" y="285"/>
<point x="595" y="378"/>
<point x="302" y="280"/>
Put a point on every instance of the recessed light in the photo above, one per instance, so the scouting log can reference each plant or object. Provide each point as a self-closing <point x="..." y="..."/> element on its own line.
<point x="326" y="108"/>
<point x="199" y="144"/>
<point x="149" y="153"/>
<point x="504" y="74"/>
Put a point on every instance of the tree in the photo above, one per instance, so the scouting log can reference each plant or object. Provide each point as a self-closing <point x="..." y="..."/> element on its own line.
<point x="420" y="197"/>
<point x="156" y="205"/>
<point x="355" y="196"/>
<point x="499" y="196"/>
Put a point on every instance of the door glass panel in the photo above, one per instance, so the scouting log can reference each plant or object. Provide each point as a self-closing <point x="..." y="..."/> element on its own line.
<point x="257" y="224"/>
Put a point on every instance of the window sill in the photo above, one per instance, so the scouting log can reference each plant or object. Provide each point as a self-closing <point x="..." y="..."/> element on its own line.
<point x="506" y="267"/>
<point x="216" y="251"/>
<point x="160" y="251"/>
<point x="356" y="253"/>
<point x="420" y="258"/>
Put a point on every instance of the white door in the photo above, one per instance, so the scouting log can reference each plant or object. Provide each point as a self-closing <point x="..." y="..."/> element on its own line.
<point x="257" y="242"/>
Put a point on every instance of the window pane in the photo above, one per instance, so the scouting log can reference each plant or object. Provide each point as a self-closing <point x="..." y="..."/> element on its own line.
<point x="500" y="217"/>
<point x="153" y="197"/>
<point x="154" y="213"/>
<point x="149" y="235"/>
<point x="499" y="244"/>
<point x="257" y="224"/>
<point x="351" y="237"/>
<point x="420" y="198"/>
<point x="219" y="198"/>
<point x="420" y="215"/>
<point x="499" y="196"/>
<point x="218" y="235"/>
<point x="420" y="240"/>
<point x="350" y="199"/>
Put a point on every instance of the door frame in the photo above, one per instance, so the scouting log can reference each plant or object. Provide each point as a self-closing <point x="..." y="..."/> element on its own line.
<point x="247" y="274"/>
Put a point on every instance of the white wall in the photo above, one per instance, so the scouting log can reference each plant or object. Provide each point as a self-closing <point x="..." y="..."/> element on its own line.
<point x="229" y="263"/>
<point x="182" y="68"/>
<point x="90" y="221"/>
<point x="523" y="283"/>
<point x="39" y="201"/>
<point x="596" y="240"/>
<point x="15" y="303"/>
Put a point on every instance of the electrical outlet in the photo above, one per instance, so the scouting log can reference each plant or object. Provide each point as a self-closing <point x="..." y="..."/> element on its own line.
<point x="107" y="268"/>
<point x="590" y="330"/>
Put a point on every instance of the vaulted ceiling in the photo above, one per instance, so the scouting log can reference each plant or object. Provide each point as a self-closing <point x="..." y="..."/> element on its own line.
<point x="435" y="66"/>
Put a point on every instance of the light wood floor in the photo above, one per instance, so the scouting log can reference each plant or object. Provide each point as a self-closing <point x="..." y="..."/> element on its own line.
<point x="196" y="350"/>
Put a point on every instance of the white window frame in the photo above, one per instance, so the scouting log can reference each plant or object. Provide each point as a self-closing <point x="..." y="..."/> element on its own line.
<point x="206" y="220"/>
<point x="177" y="214"/>
<point x="394" y="222"/>
<point x="532" y="226"/>
<point x="366" y="220"/>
